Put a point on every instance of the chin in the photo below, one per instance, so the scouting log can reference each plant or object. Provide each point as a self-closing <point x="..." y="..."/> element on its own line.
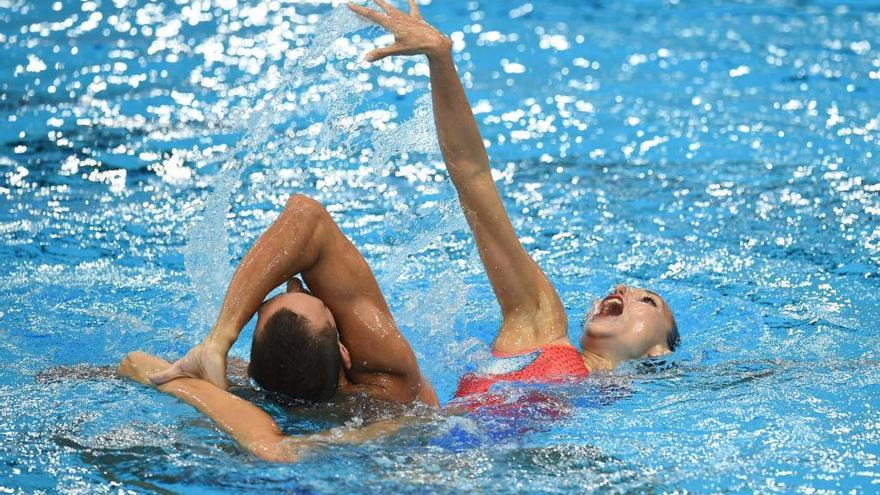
<point x="599" y="329"/>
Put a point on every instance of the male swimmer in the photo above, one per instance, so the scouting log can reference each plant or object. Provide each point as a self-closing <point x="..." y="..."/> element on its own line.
<point x="341" y="340"/>
<point x="337" y="339"/>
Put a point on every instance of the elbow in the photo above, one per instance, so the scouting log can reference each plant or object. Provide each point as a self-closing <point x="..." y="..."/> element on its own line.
<point x="301" y="203"/>
<point x="277" y="457"/>
<point x="274" y="451"/>
<point x="468" y="170"/>
<point x="412" y="385"/>
<point x="305" y="209"/>
<point x="475" y="179"/>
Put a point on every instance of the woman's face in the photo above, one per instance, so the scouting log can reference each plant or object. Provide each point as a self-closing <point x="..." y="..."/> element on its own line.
<point x="629" y="323"/>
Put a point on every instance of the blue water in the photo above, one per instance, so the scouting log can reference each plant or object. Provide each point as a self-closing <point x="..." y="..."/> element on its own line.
<point x="724" y="154"/>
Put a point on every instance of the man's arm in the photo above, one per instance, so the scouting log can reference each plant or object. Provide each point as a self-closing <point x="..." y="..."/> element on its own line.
<point x="382" y="361"/>
<point x="533" y="314"/>
<point x="291" y="244"/>
<point x="251" y="427"/>
<point x="305" y="240"/>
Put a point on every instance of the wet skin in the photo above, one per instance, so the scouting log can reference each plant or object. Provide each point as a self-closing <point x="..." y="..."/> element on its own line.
<point x="629" y="323"/>
<point x="304" y="240"/>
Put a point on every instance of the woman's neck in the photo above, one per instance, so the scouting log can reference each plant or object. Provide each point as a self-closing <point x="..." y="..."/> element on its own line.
<point x="595" y="362"/>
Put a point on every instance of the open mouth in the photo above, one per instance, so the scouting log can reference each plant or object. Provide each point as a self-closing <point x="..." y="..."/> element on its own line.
<point x="611" y="306"/>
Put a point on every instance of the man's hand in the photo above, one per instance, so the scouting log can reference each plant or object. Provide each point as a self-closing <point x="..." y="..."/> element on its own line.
<point x="205" y="361"/>
<point x="412" y="35"/>
<point x="139" y="366"/>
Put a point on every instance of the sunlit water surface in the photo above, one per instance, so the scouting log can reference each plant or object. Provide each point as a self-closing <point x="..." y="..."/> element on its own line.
<point x="725" y="155"/>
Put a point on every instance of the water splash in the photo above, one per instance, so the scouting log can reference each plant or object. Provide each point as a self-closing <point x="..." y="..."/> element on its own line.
<point x="206" y="257"/>
<point x="416" y="135"/>
<point x="206" y="252"/>
<point x="339" y="123"/>
<point x="437" y="331"/>
<point x="762" y="202"/>
<point x="421" y="232"/>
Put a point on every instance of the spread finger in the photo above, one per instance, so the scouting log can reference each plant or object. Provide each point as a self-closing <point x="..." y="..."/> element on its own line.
<point x="414" y="9"/>
<point x="369" y="14"/>
<point x="387" y="7"/>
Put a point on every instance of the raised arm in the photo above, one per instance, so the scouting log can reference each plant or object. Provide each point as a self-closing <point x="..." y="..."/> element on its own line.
<point x="533" y="314"/>
<point x="251" y="427"/>
<point x="291" y="244"/>
<point x="305" y="240"/>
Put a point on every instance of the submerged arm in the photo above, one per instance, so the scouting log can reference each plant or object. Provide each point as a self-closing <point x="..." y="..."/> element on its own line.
<point x="532" y="311"/>
<point x="251" y="427"/>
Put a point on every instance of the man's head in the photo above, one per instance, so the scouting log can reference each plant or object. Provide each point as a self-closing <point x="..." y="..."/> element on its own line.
<point x="630" y="323"/>
<point x="296" y="351"/>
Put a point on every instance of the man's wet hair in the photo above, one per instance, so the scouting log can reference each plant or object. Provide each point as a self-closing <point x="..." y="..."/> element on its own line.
<point x="291" y="358"/>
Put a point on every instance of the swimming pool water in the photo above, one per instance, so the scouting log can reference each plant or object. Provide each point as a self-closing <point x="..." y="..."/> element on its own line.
<point x="722" y="153"/>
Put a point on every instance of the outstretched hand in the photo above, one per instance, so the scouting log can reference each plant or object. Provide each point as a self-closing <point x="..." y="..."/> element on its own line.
<point x="412" y="35"/>
<point x="202" y="361"/>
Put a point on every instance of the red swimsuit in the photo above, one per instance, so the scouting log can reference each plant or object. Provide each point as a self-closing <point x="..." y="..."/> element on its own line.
<point x="551" y="363"/>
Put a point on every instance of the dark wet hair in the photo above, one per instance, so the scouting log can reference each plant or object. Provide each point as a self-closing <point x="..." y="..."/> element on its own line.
<point x="655" y="364"/>
<point x="673" y="338"/>
<point x="664" y="362"/>
<point x="291" y="358"/>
